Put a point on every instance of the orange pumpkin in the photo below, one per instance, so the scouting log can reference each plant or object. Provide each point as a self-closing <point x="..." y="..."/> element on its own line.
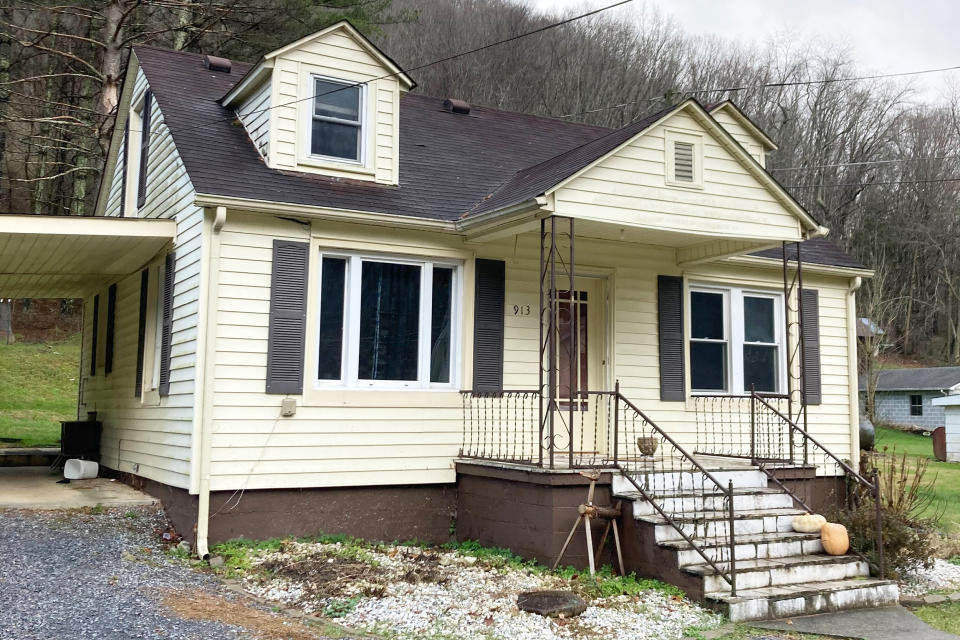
<point x="835" y="540"/>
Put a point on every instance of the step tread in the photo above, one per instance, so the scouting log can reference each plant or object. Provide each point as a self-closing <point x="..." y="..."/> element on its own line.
<point x="756" y="538"/>
<point x="765" y="564"/>
<point x="797" y="590"/>
<point x="723" y="515"/>
<point x="696" y="493"/>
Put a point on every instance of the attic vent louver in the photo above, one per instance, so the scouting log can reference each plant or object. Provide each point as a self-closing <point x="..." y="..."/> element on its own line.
<point x="221" y="65"/>
<point x="683" y="162"/>
<point x="456" y="106"/>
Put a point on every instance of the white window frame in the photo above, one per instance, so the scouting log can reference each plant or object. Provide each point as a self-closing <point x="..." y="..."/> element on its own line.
<point x="734" y="335"/>
<point x="157" y="329"/>
<point x="350" y="345"/>
<point x="311" y="110"/>
<point x="671" y="136"/>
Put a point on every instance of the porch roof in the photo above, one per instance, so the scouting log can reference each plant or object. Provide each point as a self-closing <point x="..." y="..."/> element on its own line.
<point x="69" y="256"/>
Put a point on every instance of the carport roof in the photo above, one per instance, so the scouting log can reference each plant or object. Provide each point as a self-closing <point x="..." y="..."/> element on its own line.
<point x="70" y="256"/>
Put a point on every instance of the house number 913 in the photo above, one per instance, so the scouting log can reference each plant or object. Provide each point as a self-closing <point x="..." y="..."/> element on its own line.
<point x="521" y="309"/>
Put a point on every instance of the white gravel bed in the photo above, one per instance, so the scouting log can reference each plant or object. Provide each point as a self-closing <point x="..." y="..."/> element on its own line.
<point x="416" y="593"/>
<point x="942" y="575"/>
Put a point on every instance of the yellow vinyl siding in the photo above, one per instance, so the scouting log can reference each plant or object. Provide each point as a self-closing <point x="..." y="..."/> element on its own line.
<point x="157" y="438"/>
<point x="336" y="438"/>
<point x="746" y="139"/>
<point x="358" y="437"/>
<point x="629" y="188"/>
<point x="254" y="113"/>
<point x="338" y="56"/>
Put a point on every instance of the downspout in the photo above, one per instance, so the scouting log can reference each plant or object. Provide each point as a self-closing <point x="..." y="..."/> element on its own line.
<point x="206" y="411"/>
<point x="853" y="377"/>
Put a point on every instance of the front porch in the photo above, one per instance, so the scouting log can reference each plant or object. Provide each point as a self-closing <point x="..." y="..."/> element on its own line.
<point x="707" y="453"/>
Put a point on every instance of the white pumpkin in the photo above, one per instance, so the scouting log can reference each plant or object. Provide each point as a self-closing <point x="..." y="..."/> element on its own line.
<point x="808" y="523"/>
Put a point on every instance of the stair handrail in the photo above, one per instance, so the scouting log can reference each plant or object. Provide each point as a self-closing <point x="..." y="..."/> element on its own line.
<point x="727" y="491"/>
<point x="873" y="488"/>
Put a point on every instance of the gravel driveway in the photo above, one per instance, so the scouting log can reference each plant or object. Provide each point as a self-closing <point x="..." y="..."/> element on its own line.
<point x="71" y="575"/>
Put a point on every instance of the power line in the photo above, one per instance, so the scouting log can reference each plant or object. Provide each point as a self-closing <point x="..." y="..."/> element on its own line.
<point x="552" y="25"/>
<point x="872" y="184"/>
<point x="862" y="163"/>
<point x="768" y="85"/>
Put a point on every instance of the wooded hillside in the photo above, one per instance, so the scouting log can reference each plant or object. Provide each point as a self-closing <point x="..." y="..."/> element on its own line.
<point x="877" y="166"/>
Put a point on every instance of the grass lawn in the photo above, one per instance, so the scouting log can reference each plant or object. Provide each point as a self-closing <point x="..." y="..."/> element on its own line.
<point x="945" y="617"/>
<point x="947" y="485"/>
<point x="38" y="388"/>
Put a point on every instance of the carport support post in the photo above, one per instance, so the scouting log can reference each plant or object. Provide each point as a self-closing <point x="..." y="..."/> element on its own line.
<point x="205" y="417"/>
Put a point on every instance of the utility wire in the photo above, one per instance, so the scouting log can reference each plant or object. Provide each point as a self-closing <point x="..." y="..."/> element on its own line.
<point x="552" y="25"/>
<point x="871" y="184"/>
<point x="768" y="85"/>
<point x="862" y="163"/>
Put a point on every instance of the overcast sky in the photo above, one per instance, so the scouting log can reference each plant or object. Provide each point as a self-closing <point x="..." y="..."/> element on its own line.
<point x="886" y="36"/>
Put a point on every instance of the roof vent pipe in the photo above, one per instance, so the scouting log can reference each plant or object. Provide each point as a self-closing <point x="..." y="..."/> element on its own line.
<point x="456" y="106"/>
<point x="221" y="65"/>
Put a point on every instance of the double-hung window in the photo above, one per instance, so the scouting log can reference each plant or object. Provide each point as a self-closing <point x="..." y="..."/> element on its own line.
<point x="337" y="120"/>
<point x="386" y="322"/>
<point x="736" y="341"/>
<point x="916" y="405"/>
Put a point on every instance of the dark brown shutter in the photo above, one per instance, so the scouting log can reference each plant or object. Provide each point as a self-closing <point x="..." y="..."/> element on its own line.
<point x="488" y="308"/>
<point x="144" y="149"/>
<point x="94" y="335"/>
<point x="673" y="380"/>
<point x="810" y="317"/>
<point x="141" y="329"/>
<point x="288" y="317"/>
<point x="166" y="336"/>
<point x="124" y="159"/>
<point x="111" y="328"/>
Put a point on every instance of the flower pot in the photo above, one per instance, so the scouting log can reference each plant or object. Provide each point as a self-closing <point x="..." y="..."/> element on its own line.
<point x="648" y="446"/>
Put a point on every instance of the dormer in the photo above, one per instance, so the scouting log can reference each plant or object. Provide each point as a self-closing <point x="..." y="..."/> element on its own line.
<point x="749" y="135"/>
<point x="327" y="104"/>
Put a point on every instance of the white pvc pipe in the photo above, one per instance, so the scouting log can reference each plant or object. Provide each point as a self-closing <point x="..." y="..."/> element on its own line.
<point x="206" y="423"/>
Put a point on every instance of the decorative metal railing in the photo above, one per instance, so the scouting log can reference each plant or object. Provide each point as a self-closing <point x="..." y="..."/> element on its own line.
<point x="698" y="505"/>
<point x="604" y="429"/>
<point x="803" y="450"/>
<point x="502" y="426"/>
<point x="506" y="426"/>
<point x="735" y="426"/>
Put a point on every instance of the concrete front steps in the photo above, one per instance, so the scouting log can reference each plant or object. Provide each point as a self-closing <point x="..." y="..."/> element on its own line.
<point x="779" y="572"/>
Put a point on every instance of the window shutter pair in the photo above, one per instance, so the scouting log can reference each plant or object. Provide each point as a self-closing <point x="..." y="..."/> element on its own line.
<point x="111" y="328"/>
<point x="166" y="335"/>
<point x="288" y="317"/>
<point x="288" y="320"/>
<point x="670" y="322"/>
<point x="144" y="149"/>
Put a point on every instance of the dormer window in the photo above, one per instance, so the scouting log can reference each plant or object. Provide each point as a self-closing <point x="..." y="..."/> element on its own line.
<point x="337" y="130"/>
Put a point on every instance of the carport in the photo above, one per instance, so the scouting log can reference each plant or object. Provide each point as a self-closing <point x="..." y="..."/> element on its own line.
<point x="69" y="257"/>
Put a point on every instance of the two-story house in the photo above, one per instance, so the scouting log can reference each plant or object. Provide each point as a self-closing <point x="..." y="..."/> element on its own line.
<point x="318" y="301"/>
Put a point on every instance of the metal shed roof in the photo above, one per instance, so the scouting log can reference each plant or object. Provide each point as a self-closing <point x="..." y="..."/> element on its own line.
<point x="920" y="379"/>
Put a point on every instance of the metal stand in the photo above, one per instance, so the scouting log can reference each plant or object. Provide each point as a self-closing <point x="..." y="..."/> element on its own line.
<point x="588" y="512"/>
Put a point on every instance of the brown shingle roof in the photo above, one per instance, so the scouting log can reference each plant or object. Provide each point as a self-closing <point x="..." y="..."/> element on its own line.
<point x="450" y="164"/>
